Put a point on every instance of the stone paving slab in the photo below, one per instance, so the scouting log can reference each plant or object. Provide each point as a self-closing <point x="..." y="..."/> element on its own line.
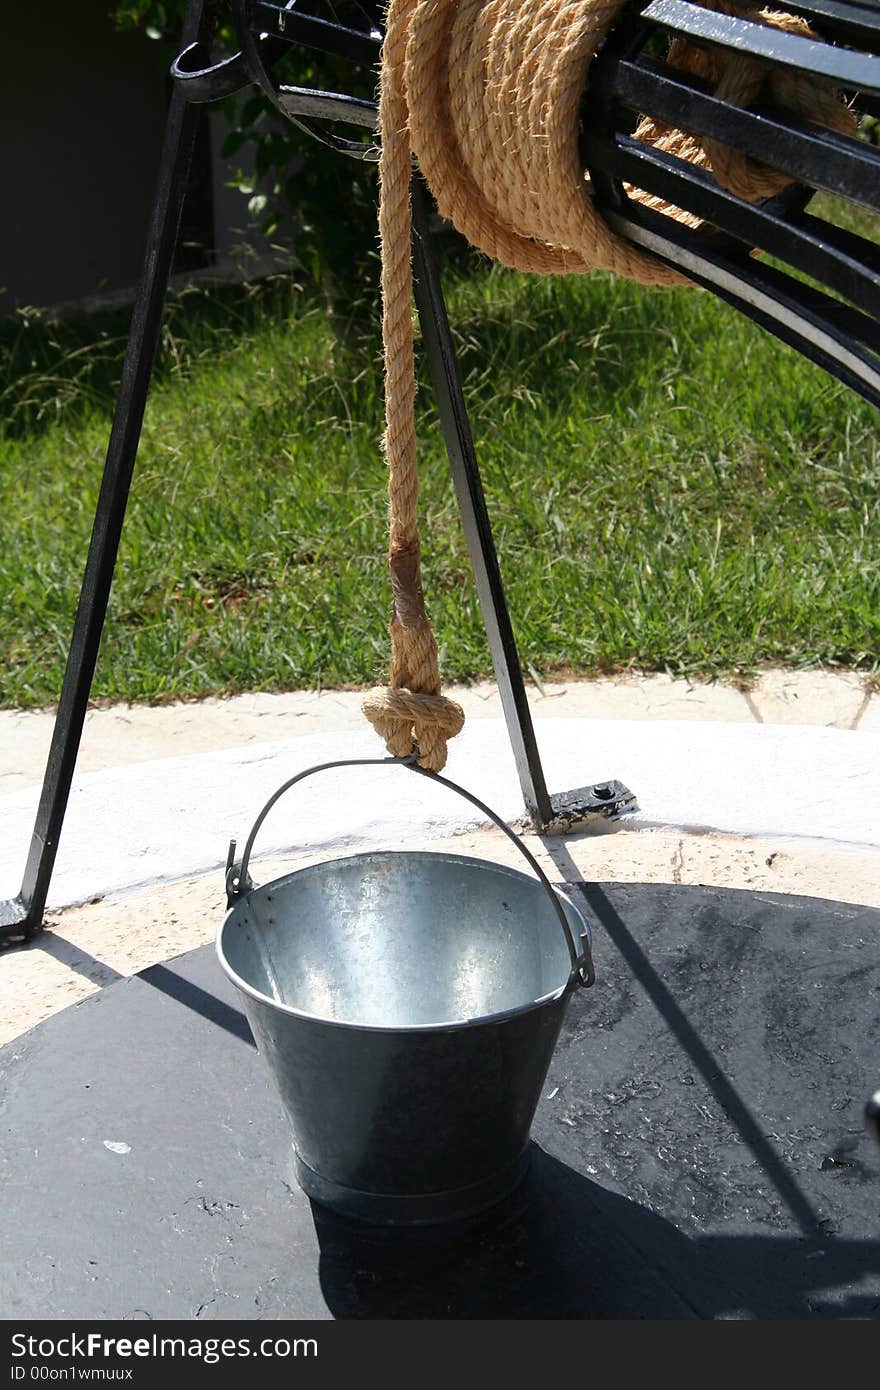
<point x="837" y="699"/>
<point x="170" y="818"/>
<point x="139" y="733"/>
<point x="870" y="720"/>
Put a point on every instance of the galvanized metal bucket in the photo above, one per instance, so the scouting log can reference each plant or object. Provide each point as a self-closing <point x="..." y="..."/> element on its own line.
<point x="408" y="1004"/>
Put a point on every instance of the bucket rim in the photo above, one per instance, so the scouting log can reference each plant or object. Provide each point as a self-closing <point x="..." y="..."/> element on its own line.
<point x="444" y="1026"/>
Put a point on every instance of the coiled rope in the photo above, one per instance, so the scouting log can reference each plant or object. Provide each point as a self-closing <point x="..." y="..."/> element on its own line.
<point x="486" y="95"/>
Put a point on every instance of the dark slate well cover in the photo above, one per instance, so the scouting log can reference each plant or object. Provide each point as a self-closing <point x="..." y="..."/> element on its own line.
<point x="699" y="1150"/>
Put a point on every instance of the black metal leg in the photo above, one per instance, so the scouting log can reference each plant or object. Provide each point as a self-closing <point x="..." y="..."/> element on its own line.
<point x="23" y="915"/>
<point x="564" y="809"/>
<point x="440" y="352"/>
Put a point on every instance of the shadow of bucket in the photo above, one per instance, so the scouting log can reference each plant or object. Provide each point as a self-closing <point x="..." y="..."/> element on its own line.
<point x="407" y="1004"/>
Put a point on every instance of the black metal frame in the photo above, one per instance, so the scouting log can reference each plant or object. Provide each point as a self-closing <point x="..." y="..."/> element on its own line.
<point x="843" y="337"/>
<point x="837" y="330"/>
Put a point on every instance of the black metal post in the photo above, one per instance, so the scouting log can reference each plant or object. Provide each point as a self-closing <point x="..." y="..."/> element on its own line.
<point x="23" y="915"/>
<point x="443" y="367"/>
<point x="549" y="813"/>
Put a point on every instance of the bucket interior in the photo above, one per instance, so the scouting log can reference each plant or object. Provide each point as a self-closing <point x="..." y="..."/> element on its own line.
<point x="400" y="940"/>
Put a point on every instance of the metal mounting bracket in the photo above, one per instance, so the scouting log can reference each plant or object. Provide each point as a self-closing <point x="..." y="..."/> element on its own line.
<point x="574" y="809"/>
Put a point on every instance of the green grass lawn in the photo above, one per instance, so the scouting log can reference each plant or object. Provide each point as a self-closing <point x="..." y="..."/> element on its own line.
<point x="671" y="489"/>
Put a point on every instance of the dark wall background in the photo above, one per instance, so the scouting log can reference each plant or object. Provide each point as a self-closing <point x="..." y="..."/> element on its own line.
<point x="82" y="116"/>
<point x="82" y="113"/>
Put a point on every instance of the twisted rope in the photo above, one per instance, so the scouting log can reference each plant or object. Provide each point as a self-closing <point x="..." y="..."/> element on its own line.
<point x="486" y="95"/>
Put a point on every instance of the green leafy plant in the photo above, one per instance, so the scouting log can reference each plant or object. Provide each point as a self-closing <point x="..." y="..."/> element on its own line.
<point x="319" y="203"/>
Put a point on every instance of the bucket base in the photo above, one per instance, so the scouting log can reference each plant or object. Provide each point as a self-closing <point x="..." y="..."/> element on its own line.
<point x="420" y="1209"/>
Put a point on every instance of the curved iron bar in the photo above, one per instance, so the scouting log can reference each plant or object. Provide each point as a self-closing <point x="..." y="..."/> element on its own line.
<point x="834" y="320"/>
<point x="853" y="21"/>
<point x="203" y="81"/>
<point x="842" y="66"/>
<point x="301" y="105"/>
<point x="298" y="26"/>
<point x="331" y="106"/>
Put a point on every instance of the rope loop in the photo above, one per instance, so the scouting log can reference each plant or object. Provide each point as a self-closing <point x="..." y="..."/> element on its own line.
<point x="409" y="719"/>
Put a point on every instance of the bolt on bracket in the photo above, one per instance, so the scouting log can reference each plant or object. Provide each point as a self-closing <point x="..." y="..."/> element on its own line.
<point x="574" y="809"/>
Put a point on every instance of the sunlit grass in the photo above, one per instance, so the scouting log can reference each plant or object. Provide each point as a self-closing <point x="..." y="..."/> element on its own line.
<point x="670" y="489"/>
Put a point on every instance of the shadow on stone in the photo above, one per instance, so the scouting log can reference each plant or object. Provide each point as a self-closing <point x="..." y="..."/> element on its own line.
<point x="565" y="1247"/>
<point x="192" y="996"/>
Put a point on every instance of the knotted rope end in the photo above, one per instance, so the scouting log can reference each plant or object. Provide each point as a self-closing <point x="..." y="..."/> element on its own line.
<point x="409" y="720"/>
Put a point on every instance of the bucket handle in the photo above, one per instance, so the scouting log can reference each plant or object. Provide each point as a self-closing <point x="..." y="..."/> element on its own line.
<point x="239" y="882"/>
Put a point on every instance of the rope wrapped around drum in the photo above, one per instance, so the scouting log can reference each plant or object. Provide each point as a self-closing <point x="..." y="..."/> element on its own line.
<point x="486" y="95"/>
